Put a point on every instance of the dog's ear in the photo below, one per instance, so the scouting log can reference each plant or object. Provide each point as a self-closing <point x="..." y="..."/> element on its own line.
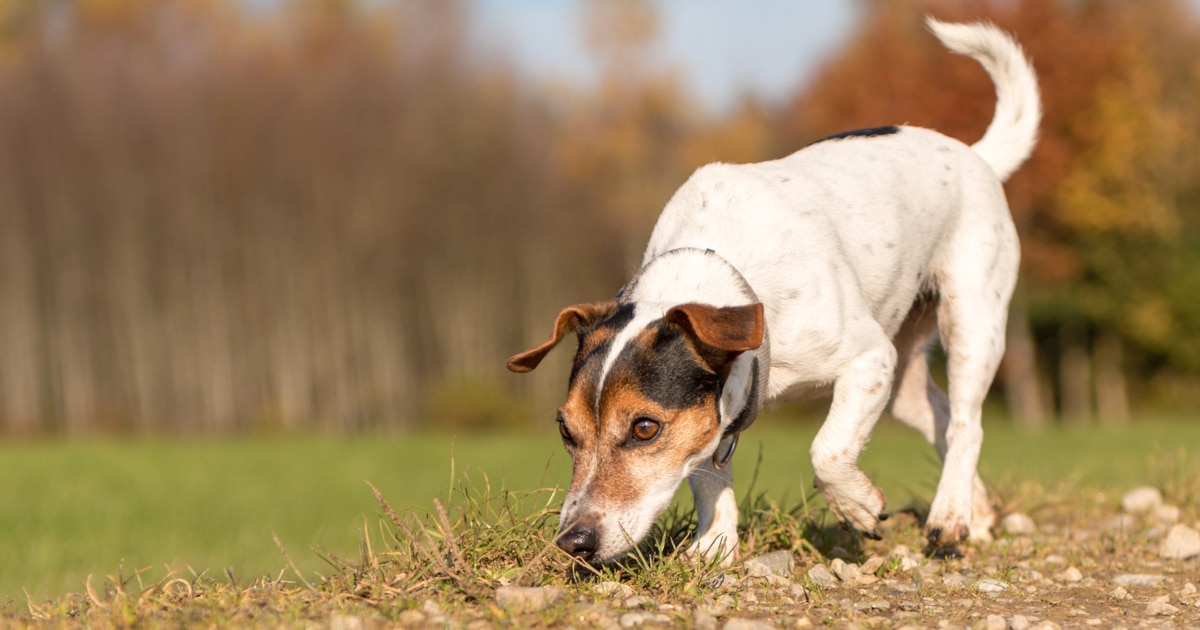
<point x="720" y="333"/>
<point x="571" y="319"/>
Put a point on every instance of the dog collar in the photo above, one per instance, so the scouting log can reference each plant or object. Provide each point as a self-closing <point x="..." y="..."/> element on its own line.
<point x="724" y="453"/>
<point x="729" y="440"/>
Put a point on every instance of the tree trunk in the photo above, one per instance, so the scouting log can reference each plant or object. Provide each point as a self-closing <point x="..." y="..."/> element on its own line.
<point x="1021" y="385"/>
<point x="1075" y="377"/>
<point x="1112" y="395"/>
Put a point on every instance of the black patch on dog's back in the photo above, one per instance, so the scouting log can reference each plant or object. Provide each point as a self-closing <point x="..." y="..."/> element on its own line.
<point x="869" y="132"/>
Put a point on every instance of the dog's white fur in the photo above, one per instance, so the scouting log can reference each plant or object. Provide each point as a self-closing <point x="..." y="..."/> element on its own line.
<point x="862" y="249"/>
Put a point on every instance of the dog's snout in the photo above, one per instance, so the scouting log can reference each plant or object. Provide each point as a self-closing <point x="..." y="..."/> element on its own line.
<point x="579" y="541"/>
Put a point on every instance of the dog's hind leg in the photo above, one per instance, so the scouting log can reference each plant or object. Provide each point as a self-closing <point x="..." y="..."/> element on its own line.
<point x="716" y="513"/>
<point x="979" y="271"/>
<point x="918" y="402"/>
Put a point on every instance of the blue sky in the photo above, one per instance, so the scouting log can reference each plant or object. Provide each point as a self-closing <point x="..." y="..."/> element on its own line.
<point x="722" y="48"/>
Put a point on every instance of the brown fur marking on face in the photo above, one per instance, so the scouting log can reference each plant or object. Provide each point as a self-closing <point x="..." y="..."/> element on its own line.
<point x="658" y="376"/>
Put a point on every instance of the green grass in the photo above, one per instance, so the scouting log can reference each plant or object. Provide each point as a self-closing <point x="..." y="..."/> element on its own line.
<point x="70" y="509"/>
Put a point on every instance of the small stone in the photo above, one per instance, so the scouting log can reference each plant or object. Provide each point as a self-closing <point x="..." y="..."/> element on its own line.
<point x="1180" y="542"/>
<point x="527" y="598"/>
<point x="1018" y="622"/>
<point x="820" y="577"/>
<point x="1138" y="579"/>
<point x="410" y="617"/>
<point x="804" y="622"/>
<point x="989" y="585"/>
<point x="641" y="601"/>
<point x="798" y="592"/>
<point x="613" y="589"/>
<point x="774" y="563"/>
<point x="955" y="580"/>
<point x="846" y="571"/>
<point x="872" y="565"/>
<point x="1166" y="513"/>
<point x="738" y="623"/>
<point x="1141" y="499"/>
<point x="1160" y="608"/>
<point x="1120" y="594"/>
<point x="703" y="621"/>
<point x="1018" y="524"/>
<point x="995" y="622"/>
<point x="1045" y="625"/>
<point x="632" y="619"/>
<point x="1070" y="574"/>
<point x="345" y="622"/>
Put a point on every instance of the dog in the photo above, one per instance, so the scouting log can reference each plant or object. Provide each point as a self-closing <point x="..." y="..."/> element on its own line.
<point x="831" y="270"/>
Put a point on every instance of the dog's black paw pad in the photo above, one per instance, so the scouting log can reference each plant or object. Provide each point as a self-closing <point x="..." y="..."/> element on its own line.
<point x="883" y="516"/>
<point x="873" y="535"/>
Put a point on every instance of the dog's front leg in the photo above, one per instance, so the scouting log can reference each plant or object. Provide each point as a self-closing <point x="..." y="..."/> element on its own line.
<point x="716" y="511"/>
<point x="859" y="396"/>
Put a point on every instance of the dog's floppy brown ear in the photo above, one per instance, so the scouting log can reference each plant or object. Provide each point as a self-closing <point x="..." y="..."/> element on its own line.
<point x="570" y="320"/>
<point x="721" y="332"/>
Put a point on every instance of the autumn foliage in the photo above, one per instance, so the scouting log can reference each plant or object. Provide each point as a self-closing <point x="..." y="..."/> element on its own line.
<point x="345" y="215"/>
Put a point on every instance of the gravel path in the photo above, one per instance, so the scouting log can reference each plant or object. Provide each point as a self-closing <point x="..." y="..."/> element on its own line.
<point x="1080" y="562"/>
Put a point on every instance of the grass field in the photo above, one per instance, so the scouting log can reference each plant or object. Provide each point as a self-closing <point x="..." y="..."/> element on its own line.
<point x="70" y="509"/>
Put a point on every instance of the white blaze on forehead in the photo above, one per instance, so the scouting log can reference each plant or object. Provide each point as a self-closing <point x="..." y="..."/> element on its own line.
<point x="643" y="314"/>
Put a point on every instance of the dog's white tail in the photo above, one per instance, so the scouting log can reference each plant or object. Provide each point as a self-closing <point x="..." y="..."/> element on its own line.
<point x="1010" y="138"/>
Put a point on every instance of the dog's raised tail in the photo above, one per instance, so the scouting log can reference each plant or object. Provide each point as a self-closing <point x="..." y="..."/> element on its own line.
<point x="1010" y="138"/>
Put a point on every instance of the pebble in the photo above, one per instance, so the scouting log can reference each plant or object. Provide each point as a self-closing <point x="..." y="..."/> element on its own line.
<point x="995" y="622"/>
<point x="1180" y="542"/>
<point x="845" y="571"/>
<point x="1157" y="607"/>
<point x="1137" y="579"/>
<point x="779" y="563"/>
<point x="1018" y="524"/>
<point x="1167" y="513"/>
<point x="872" y="565"/>
<point x="409" y="617"/>
<point x="345" y="622"/>
<point x="1071" y="574"/>
<point x="641" y="601"/>
<point x="1141" y="499"/>
<point x="737" y="623"/>
<point x="955" y="580"/>
<point x="1120" y="594"/>
<point x="989" y="585"/>
<point x="703" y="621"/>
<point x="1018" y="622"/>
<point x="527" y="598"/>
<point x="614" y="589"/>
<point x="632" y="619"/>
<point x="822" y="578"/>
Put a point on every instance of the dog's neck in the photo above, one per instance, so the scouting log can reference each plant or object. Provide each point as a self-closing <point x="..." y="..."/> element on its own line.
<point x="687" y="275"/>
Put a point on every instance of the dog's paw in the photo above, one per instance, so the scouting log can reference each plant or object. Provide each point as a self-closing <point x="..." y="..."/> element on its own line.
<point x="983" y="514"/>
<point x="856" y="503"/>
<point x="715" y="548"/>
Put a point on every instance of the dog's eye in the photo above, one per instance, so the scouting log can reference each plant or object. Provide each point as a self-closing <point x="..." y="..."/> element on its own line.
<point x="646" y="429"/>
<point x="565" y="432"/>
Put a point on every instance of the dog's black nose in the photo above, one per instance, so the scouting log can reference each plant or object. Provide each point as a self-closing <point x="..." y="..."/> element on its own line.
<point x="579" y="542"/>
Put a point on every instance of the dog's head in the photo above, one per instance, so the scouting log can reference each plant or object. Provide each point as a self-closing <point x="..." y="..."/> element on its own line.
<point x="651" y="391"/>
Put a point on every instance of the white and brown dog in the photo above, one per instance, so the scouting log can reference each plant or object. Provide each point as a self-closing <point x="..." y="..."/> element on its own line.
<point x="830" y="270"/>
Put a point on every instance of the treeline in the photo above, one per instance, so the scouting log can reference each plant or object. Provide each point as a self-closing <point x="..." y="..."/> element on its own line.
<point x="346" y="215"/>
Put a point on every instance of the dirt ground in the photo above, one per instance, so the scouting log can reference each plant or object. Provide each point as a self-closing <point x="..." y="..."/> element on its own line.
<point x="1079" y="562"/>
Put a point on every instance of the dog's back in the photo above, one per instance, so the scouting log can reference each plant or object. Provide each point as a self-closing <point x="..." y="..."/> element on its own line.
<point x="864" y="211"/>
